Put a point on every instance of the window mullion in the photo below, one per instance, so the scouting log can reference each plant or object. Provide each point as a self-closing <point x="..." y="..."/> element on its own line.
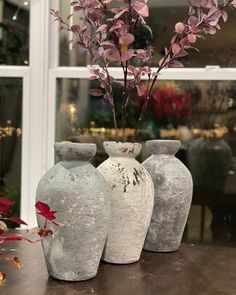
<point x="36" y="144"/>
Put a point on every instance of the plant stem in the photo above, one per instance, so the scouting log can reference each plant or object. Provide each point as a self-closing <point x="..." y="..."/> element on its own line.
<point x="125" y="96"/>
<point x="114" y="116"/>
<point x="111" y="98"/>
<point x="149" y="91"/>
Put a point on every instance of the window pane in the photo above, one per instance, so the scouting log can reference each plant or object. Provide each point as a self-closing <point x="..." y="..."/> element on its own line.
<point x="10" y="139"/>
<point x="67" y="55"/>
<point x="14" y="32"/>
<point x="200" y="113"/>
<point x="216" y="49"/>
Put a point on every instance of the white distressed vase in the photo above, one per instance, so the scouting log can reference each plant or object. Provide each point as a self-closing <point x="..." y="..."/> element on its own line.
<point x="132" y="201"/>
<point x="79" y="194"/>
<point x="173" y="195"/>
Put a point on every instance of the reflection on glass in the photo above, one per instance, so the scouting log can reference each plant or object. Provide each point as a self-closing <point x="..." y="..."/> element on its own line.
<point x="10" y="139"/>
<point x="69" y="56"/>
<point x="14" y="32"/>
<point x="163" y="17"/>
<point x="202" y="114"/>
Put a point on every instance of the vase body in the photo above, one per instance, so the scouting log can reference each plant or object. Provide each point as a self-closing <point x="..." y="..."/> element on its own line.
<point x="131" y="202"/>
<point x="209" y="162"/>
<point x="79" y="194"/>
<point x="173" y="196"/>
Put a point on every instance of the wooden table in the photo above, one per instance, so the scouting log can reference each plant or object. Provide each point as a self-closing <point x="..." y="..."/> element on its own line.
<point x="193" y="270"/>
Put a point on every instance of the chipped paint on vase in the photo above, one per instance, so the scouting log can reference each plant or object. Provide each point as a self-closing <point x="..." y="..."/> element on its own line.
<point x="79" y="194"/>
<point x="132" y="201"/>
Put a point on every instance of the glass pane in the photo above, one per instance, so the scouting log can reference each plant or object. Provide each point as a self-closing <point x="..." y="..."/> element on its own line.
<point x="10" y="139"/>
<point x="67" y="55"/>
<point x="14" y="32"/>
<point x="163" y="17"/>
<point x="202" y="114"/>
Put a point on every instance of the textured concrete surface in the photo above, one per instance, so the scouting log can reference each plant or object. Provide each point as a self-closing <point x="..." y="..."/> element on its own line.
<point x="173" y="195"/>
<point x="131" y="201"/>
<point x="79" y="194"/>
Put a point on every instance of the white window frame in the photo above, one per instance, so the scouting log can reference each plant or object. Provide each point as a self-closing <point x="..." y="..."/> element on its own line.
<point x="39" y="97"/>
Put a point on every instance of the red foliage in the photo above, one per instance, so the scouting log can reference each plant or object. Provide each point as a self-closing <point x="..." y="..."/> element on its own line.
<point x="17" y="220"/>
<point x="45" y="232"/>
<point x="5" y="206"/>
<point x="45" y="211"/>
<point x="169" y="102"/>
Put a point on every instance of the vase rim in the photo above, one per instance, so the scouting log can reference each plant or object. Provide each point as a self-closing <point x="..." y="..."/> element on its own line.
<point x="122" y="149"/>
<point x="164" y="140"/>
<point x="75" y="151"/>
<point x="163" y="146"/>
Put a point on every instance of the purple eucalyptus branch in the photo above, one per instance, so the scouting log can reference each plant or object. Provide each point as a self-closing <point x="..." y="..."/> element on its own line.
<point x="107" y="34"/>
<point x="195" y="25"/>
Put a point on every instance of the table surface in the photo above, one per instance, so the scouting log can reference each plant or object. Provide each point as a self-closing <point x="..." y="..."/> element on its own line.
<point x="192" y="270"/>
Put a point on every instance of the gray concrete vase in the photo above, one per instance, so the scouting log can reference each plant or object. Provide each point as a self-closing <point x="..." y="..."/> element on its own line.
<point x="173" y="195"/>
<point x="132" y="201"/>
<point x="80" y="195"/>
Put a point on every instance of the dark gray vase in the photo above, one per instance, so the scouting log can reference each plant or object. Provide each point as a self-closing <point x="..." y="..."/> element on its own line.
<point x="173" y="195"/>
<point x="79" y="194"/>
<point x="209" y="162"/>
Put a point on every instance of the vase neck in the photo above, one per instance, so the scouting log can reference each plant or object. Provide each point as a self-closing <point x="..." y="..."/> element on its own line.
<point x="122" y="149"/>
<point x="163" y="147"/>
<point x="68" y="151"/>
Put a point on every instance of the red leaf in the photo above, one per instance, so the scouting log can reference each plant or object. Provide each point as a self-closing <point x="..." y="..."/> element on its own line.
<point x="50" y="215"/>
<point x="45" y="232"/>
<point x="17" y="220"/>
<point x="42" y="207"/>
<point x="45" y="210"/>
<point x="6" y="202"/>
<point x="5" y="205"/>
<point x="14" y="237"/>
